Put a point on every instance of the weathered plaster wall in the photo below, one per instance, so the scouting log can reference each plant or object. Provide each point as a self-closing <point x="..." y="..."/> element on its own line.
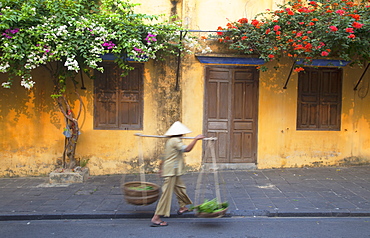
<point x="31" y="132"/>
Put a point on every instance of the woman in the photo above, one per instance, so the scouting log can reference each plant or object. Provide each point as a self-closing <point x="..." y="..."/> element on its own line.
<point x="172" y="167"/>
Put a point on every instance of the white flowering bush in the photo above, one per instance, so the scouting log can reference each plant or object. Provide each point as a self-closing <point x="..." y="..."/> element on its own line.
<point x="67" y="36"/>
<point x="77" y="33"/>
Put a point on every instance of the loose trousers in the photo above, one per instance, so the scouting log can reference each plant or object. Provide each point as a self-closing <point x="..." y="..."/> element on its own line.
<point x="170" y="185"/>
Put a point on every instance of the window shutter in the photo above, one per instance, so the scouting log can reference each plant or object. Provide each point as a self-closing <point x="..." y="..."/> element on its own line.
<point x="331" y="87"/>
<point x="118" y="100"/>
<point x="130" y="99"/>
<point x="106" y="111"/>
<point x="319" y="99"/>
<point x="308" y="99"/>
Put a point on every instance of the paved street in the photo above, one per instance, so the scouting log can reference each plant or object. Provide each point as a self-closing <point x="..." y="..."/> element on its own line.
<point x="248" y="227"/>
<point x="300" y="192"/>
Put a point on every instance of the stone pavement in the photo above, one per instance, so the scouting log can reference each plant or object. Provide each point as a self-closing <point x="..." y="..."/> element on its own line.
<point x="339" y="191"/>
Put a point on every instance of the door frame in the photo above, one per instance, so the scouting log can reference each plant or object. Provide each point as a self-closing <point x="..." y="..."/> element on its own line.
<point x="230" y="100"/>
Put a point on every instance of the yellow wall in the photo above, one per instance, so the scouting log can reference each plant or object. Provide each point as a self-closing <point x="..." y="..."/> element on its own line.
<point x="31" y="137"/>
<point x="281" y="145"/>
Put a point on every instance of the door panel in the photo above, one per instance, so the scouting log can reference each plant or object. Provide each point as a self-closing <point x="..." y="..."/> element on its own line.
<point x="231" y="113"/>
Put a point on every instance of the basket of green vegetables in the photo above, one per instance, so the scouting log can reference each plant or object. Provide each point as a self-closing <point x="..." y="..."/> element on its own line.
<point x="211" y="209"/>
<point x="140" y="193"/>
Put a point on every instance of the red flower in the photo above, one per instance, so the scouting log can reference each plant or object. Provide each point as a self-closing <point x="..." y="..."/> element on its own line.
<point x="311" y="23"/>
<point x="255" y="22"/>
<point x="271" y="56"/>
<point x="333" y="28"/>
<point x="301" y="23"/>
<point x="357" y="25"/>
<point x="291" y="13"/>
<point x="308" y="46"/>
<point x="355" y="16"/>
<point x="243" y="20"/>
<point x="299" y="47"/>
<point x="315" y="19"/>
<point x="220" y="33"/>
<point x="244" y="37"/>
<point x="324" y="53"/>
<point x="349" y="30"/>
<point x="299" y="69"/>
<point x="267" y="31"/>
<point x="351" y="36"/>
<point x="230" y="25"/>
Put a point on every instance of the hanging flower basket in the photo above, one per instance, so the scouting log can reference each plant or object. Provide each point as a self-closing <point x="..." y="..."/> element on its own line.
<point x="140" y="193"/>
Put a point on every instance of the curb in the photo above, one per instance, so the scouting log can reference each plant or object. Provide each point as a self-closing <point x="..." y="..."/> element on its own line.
<point x="69" y="216"/>
<point x="320" y="214"/>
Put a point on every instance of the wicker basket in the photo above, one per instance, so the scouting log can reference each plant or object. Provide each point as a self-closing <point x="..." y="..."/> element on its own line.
<point x="140" y="197"/>
<point x="211" y="215"/>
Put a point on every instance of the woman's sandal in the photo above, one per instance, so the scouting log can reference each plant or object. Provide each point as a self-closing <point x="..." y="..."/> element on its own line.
<point x="162" y="223"/>
<point x="180" y="213"/>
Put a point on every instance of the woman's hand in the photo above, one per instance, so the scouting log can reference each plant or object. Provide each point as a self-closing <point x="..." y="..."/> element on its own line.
<point x="199" y="137"/>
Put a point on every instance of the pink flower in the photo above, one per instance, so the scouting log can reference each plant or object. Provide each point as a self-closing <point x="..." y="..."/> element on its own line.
<point x="138" y="50"/>
<point x="349" y="30"/>
<point x="309" y="32"/>
<point x="324" y="53"/>
<point x="340" y="12"/>
<point x="351" y="36"/>
<point x="276" y="27"/>
<point x="333" y="28"/>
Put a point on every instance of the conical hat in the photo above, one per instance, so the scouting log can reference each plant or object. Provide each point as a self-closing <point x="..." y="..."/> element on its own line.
<point x="177" y="128"/>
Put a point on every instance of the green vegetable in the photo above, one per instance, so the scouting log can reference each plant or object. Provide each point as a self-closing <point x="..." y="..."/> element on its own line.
<point x="210" y="206"/>
<point x="142" y="188"/>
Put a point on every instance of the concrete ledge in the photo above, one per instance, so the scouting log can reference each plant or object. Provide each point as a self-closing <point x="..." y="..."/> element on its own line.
<point x="232" y="166"/>
<point x="68" y="176"/>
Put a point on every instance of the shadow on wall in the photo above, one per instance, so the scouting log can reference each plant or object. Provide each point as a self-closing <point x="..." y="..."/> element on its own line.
<point x="19" y="101"/>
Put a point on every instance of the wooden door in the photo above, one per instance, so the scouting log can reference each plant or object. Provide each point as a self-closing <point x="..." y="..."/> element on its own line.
<point x="231" y="107"/>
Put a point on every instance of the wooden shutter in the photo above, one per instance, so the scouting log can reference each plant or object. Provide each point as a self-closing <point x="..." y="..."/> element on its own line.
<point x="131" y="103"/>
<point x="118" y="100"/>
<point x="319" y="99"/>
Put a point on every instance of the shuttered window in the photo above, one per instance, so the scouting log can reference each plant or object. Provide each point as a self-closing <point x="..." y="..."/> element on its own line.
<point x="319" y="99"/>
<point x="118" y="100"/>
